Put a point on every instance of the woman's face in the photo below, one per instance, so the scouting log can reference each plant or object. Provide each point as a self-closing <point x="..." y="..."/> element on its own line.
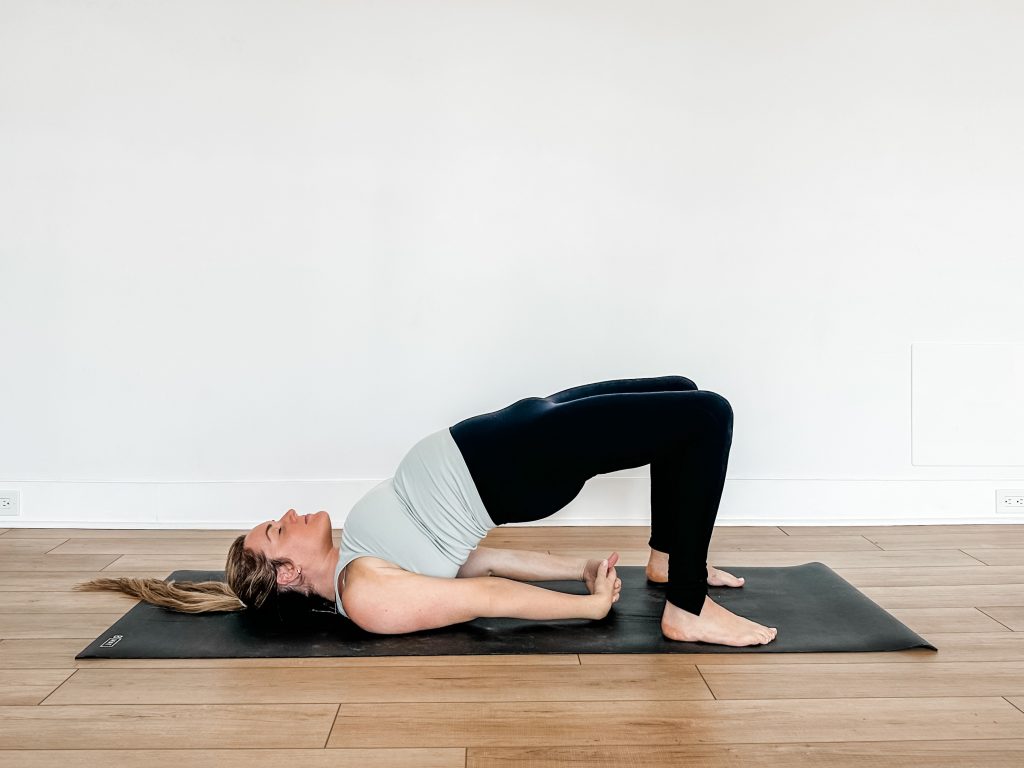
<point x="303" y="539"/>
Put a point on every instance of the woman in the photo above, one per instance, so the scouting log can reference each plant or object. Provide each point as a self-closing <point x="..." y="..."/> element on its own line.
<point x="409" y="558"/>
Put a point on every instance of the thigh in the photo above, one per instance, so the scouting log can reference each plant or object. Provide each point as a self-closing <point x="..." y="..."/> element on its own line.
<point x="613" y="386"/>
<point x="606" y="433"/>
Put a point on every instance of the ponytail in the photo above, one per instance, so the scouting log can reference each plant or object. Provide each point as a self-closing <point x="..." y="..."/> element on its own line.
<point x="251" y="580"/>
<point x="184" y="596"/>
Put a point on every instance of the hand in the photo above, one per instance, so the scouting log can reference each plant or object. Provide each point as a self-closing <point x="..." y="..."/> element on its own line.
<point x="589" y="575"/>
<point x="607" y="587"/>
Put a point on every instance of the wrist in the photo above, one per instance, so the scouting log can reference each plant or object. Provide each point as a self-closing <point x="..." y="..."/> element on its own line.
<point x="594" y="607"/>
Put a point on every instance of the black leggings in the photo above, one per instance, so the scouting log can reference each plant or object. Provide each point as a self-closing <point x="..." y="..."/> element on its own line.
<point x="530" y="459"/>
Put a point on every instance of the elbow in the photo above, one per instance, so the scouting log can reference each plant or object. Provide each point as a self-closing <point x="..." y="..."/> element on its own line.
<point x="499" y="598"/>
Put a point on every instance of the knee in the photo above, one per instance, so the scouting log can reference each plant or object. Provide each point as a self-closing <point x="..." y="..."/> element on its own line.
<point x="720" y="407"/>
<point x="681" y="382"/>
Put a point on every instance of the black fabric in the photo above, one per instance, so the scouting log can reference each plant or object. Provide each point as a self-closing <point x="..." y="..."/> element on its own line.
<point x="814" y="609"/>
<point x="530" y="459"/>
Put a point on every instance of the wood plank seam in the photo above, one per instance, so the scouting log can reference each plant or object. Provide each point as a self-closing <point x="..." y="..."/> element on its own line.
<point x="982" y="562"/>
<point x="997" y="621"/>
<point x="704" y="680"/>
<point x="58" y="687"/>
<point x="330" y="730"/>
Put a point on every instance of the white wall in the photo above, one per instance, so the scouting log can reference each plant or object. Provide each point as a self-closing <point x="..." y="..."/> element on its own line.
<point x="250" y="252"/>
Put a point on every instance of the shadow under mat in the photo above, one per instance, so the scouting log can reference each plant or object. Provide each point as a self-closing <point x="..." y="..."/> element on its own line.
<point x="814" y="609"/>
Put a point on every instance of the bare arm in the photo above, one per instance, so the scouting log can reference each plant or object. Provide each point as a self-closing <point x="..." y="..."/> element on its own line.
<point x="395" y="601"/>
<point x="522" y="565"/>
<point x="515" y="600"/>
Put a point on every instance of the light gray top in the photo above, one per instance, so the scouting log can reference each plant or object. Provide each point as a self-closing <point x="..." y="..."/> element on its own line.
<point x="426" y="519"/>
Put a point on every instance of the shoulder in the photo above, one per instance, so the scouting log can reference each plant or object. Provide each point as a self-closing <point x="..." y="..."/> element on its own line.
<point x="358" y="578"/>
<point x="359" y="571"/>
<point x="355" y="574"/>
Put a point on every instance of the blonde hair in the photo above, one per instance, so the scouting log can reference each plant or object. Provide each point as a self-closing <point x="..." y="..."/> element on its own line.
<point x="251" y="582"/>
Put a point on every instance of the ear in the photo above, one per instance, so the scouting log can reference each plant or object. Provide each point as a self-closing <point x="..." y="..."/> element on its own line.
<point x="286" y="574"/>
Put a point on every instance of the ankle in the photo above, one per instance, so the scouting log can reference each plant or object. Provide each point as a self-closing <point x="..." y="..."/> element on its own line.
<point x="678" y="614"/>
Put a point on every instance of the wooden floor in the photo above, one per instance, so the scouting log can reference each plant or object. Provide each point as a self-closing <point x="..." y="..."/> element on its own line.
<point x="961" y="587"/>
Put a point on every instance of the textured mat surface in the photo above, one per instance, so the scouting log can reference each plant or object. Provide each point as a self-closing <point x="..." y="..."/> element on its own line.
<point x="814" y="609"/>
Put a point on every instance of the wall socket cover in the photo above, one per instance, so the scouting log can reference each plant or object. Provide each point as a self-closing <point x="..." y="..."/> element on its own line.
<point x="10" y="503"/>
<point x="1010" y="501"/>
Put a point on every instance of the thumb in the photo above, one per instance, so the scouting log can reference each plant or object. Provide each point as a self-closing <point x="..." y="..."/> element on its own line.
<point x="604" y="567"/>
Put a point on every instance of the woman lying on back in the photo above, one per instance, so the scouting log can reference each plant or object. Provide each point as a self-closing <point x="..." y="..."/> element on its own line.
<point x="410" y="557"/>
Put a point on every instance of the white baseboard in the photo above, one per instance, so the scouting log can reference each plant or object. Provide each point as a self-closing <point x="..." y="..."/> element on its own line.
<point x="606" y="500"/>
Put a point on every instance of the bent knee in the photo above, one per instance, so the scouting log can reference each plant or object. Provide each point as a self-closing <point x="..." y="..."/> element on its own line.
<point x="719" y="406"/>
<point x="680" y="382"/>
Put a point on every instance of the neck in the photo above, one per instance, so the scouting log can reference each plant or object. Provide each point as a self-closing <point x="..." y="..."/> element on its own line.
<point x="321" y="577"/>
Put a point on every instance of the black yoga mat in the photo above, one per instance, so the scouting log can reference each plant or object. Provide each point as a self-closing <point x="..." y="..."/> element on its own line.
<point x="814" y="609"/>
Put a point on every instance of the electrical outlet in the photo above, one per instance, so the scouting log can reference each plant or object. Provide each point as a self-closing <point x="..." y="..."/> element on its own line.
<point x="10" y="503"/>
<point x="1010" y="501"/>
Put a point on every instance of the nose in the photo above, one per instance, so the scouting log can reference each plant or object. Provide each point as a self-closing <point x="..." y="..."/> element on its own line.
<point x="290" y="516"/>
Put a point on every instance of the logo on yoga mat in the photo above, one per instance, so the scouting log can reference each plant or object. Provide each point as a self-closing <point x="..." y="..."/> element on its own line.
<point x="110" y="642"/>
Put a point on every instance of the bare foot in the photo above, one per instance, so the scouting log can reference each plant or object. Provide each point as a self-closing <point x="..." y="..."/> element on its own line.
<point x="717" y="578"/>
<point x="714" y="625"/>
<point x="657" y="570"/>
<point x="590" y="571"/>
